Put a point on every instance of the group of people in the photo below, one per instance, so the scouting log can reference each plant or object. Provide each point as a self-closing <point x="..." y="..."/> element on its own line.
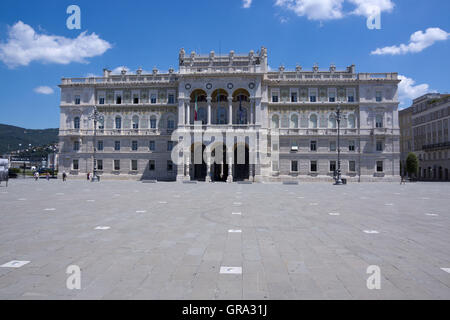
<point x="47" y="176"/>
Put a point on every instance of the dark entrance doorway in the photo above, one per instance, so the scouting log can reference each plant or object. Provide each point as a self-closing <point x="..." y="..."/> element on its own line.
<point x="241" y="170"/>
<point x="220" y="166"/>
<point x="199" y="168"/>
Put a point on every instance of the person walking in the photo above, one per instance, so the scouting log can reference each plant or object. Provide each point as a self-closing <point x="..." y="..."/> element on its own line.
<point x="88" y="175"/>
<point x="47" y="175"/>
<point x="64" y="176"/>
<point x="36" y="176"/>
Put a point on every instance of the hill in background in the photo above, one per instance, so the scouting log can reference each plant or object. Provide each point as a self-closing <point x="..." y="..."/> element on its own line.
<point x="12" y="136"/>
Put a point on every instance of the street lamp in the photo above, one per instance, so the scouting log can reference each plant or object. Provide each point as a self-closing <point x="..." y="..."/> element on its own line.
<point x="96" y="116"/>
<point x="339" y="117"/>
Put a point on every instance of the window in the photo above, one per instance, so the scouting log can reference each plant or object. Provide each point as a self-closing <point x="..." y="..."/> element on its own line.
<point x="119" y="99"/>
<point x="134" y="165"/>
<point x="332" y="96"/>
<point x="151" y="165"/>
<point x="75" y="164"/>
<point x="379" y="121"/>
<point x="351" y="121"/>
<point x="171" y="99"/>
<point x="332" y="123"/>
<point x="379" y="145"/>
<point x="332" y="166"/>
<point x="294" y="121"/>
<point x="351" y="145"/>
<point x="101" y="100"/>
<point x="100" y="145"/>
<point x="135" y="99"/>
<point x="77" y="100"/>
<point x="76" y="146"/>
<point x="134" y="145"/>
<point x="294" y="166"/>
<point x="313" y="146"/>
<point x="151" y="146"/>
<point x="352" y="166"/>
<point x="294" y="145"/>
<point x="275" y="166"/>
<point x="153" y="122"/>
<point x="76" y="123"/>
<point x="332" y="145"/>
<point x="101" y="124"/>
<point x="135" y="122"/>
<point x="274" y="146"/>
<point x="350" y="95"/>
<point x="379" y="166"/>
<point x="117" y="145"/>
<point x="100" y="165"/>
<point x="313" y="121"/>
<point x="275" y="121"/>
<point x="170" y="124"/>
<point x="378" y="96"/>
<point x="312" y="95"/>
<point x="153" y="98"/>
<point x="274" y="97"/>
<point x="312" y="98"/>
<point x="294" y="97"/>
<point x="169" y="145"/>
<point x="169" y="165"/>
<point x="116" y="165"/>
<point x="313" y="166"/>
<point x="118" y="123"/>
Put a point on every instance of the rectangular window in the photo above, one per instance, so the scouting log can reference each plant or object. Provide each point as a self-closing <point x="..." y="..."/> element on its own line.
<point x="76" y="146"/>
<point x="332" y="96"/>
<point x="294" y="166"/>
<point x="100" y="165"/>
<point x="119" y="99"/>
<point x="134" y="145"/>
<point x="313" y="146"/>
<point x="134" y="165"/>
<point x="332" y="166"/>
<point x="116" y="165"/>
<point x="379" y="166"/>
<point x="352" y="166"/>
<point x="153" y="123"/>
<point x="170" y="124"/>
<point x="153" y="98"/>
<point x="312" y="95"/>
<point x="75" y="164"/>
<point x="274" y="98"/>
<point x="379" y="145"/>
<point x="151" y="165"/>
<point x="378" y="96"/>
<point x="136" y="100"/>
<point x="350" y="95"/>
<point x="169" y="145"/>
<point x="116" y="145"/>
<point x="77" y="100"/>
<point x="312" y="98"/>
<point x="100" y="145"/>
<point x="351" y="145"/>
<point x="151" y="146"/>
<point x="169" y="165"/>
<point x="171" y="99"/>
<point x="332" y="145"/>
<point x="101" y="100"/>
<point x="313" y="167"/>
<point x="294" y="97"/>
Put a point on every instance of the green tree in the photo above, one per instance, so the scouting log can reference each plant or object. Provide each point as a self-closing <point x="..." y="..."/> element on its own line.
<point x="412" y="164"/>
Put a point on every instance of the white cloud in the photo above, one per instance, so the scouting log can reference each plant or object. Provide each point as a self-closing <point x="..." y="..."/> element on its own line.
<point x="314" y="9"/>
<point x="43" y="90"/>
<point x="368" y="7"/>
<point x="25" y="45"/>
<point x="246" y="3"/>
<point x="119" y="69"/>
<point x="419" y="41"/>
<point x="408" y="90"/>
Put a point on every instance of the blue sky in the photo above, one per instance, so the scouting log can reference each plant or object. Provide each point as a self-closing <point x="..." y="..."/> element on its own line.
<point x="150" y="33"/>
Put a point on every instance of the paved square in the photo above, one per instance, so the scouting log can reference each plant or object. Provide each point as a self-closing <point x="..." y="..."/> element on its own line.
<point x="171" y="241"/>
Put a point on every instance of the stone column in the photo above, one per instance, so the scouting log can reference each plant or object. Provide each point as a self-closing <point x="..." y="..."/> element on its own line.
<point x="209" y="110"/>
<point x="230" y="168"/>
<point x="208" y="167"/>
<point x="188" y="165"/>
<point x="252" y="105"/>
<point x="230" y="110"/>
<point x="188" y="113"/>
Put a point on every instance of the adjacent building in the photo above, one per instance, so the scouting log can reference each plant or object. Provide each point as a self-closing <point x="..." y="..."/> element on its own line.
<point x="233" y="102"/>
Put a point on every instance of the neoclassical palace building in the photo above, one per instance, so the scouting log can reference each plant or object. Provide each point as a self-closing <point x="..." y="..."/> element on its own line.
<point x="230" y="118"/>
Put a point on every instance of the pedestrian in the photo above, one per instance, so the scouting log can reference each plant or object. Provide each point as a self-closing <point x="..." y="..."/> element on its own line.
<point x="36" y="176"/>
<point x="47" y="175"/>
<point x="88" y="175"/>
<point x="64" y="176"/>
<point x="403" y="181"/>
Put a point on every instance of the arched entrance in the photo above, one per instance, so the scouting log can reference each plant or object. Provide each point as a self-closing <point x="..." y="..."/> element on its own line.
<point x="241" y="163"/>
<point x="199" y="168"/>
<point x="219" y="169"/>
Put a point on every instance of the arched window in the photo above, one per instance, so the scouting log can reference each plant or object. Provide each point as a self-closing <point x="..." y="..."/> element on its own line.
<point x="76" y="123"/>
<point x="332" y="121"/>
<point x="275" y="121"/>
<point x="201" y="115"/>
<point x="294" y="121"/>
<point x="379" y="121"/>
<point x="118" y="122"/>
<point x="351" y="121"/>
<point x="221" y="115"/>
<point x="153" y="122"/>
<point x="242" y="115"/>
<point x="313" y="121"/>
<point x="135" y="122"/>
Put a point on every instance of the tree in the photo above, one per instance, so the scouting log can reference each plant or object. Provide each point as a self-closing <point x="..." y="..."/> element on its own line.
<point x="412" y="164"/>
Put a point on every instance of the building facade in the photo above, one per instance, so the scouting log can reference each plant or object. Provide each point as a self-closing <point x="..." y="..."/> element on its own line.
<point x="430" y="115"/>
<point x="195" y="123"/>
<point x="406" y="137"/>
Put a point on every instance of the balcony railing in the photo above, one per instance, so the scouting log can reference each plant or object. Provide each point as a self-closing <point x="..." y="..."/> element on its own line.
<point x="115" y="132"/>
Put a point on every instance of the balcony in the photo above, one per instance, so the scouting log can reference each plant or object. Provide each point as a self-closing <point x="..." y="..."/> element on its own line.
<point x="115" y="132"/>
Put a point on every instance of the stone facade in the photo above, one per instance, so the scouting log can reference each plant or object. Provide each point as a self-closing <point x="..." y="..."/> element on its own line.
<point x="291" y="113"/>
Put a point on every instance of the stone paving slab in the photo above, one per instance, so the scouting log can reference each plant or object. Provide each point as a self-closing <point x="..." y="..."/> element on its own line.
<point x="169" y="240"/>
